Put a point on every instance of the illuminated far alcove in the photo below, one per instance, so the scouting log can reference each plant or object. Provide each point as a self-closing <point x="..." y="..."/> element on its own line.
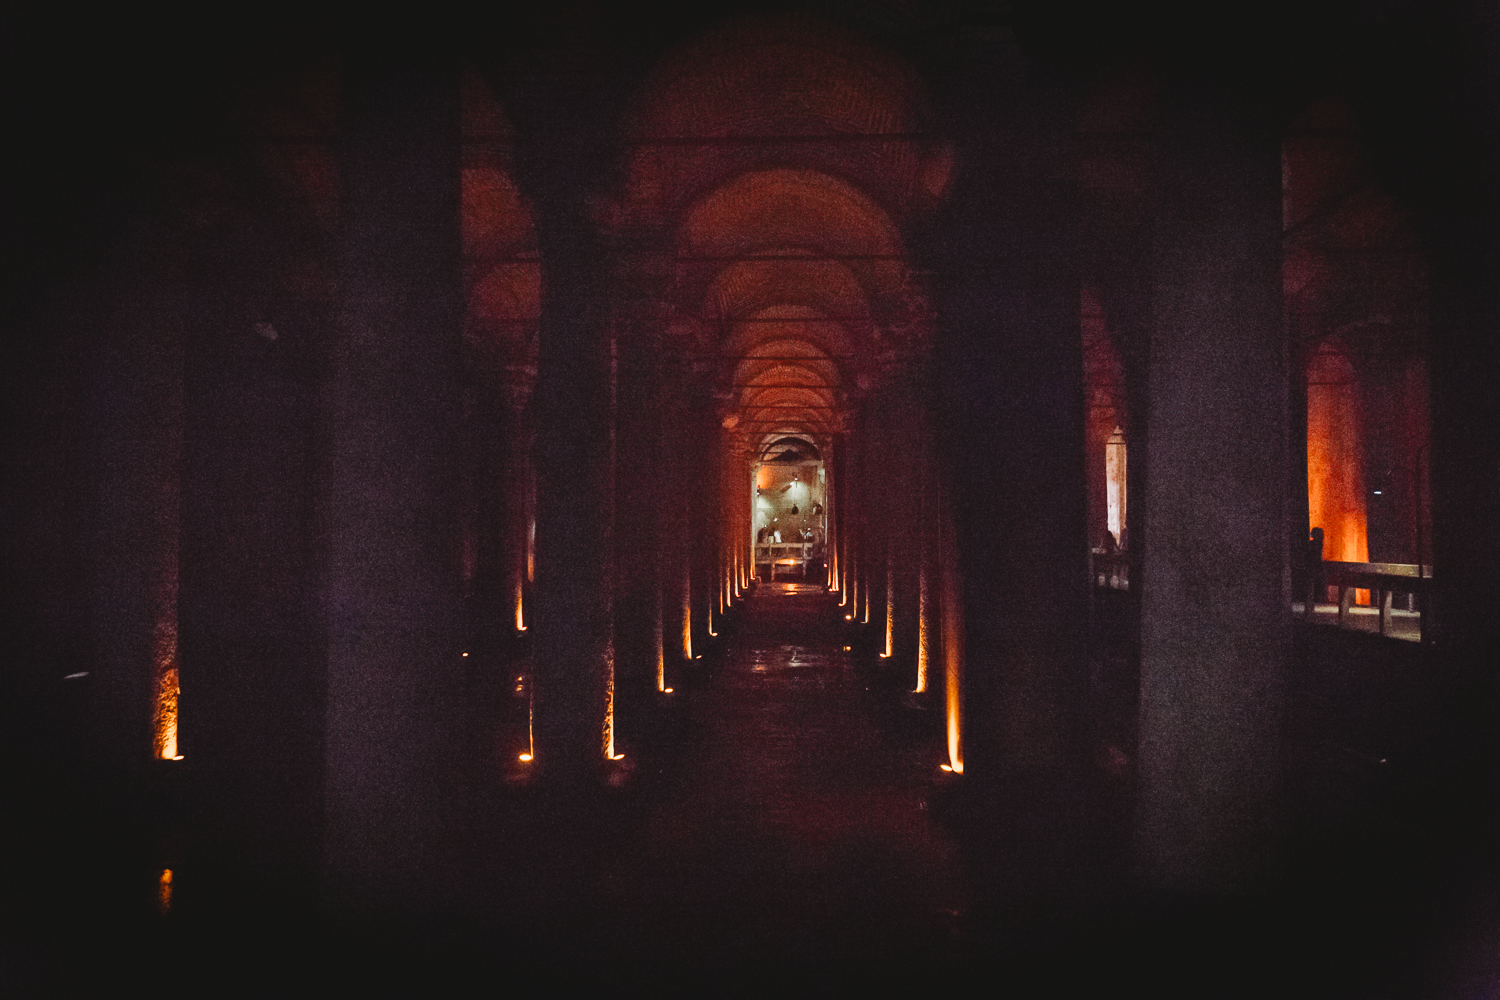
<point x="1114" y="485"/>
<point x="789" y="524"/>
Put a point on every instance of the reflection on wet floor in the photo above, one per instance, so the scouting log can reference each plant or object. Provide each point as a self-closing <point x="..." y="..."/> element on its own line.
<point x="799" y="819"/>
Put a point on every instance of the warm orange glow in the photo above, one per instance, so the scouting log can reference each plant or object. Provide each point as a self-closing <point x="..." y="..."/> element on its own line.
<point x="609" y="703"/>
<point x="687" y="609"/>
<point x="1335" y="461"/>
<point x="167" y="693"/>
<point x="520" y="612"/>
<point x="711" y="622"/>
<point x="953" y="656"/>
<point x="531" y="552"/>
<point x="666" y="690"/>
<point x="463" y="654"/>
<point x="164" y="892"/>
<point x="530" y="753"/>
<point x="924" y="623"/>
<point x="167" y="689"/>
<point x="890" y="605"/>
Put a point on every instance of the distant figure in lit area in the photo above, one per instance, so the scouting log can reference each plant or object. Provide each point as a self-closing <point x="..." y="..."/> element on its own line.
<point x="1316" y="589"/>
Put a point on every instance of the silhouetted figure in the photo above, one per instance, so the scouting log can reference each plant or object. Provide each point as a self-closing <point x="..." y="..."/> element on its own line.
<point x="1316" y="588"/>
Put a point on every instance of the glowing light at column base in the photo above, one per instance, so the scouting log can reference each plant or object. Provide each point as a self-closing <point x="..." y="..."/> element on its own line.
<point x="530" y="754"/>
<point x="924" y="627"/>
<point x="167" y="694"/>
<point x="609" y="703"/>
<point x="890" y="608"/>
<point x="520" y="614"/>
<point x="954" y="697"/>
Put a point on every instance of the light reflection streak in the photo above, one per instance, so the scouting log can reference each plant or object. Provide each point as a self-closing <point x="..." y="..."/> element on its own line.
<point x="164" y="892"/>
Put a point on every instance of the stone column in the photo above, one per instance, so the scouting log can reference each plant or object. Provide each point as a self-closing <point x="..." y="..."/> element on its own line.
<point x="678" y="610"/>
<point x="1215" y="621"/>
<point x="909" y="482"/>
<point x="640" y="515"/>
<point x="1459" y="132"/>
<point x="395" y="681"/>
<point x="572" y="634"/>
<point x="1009" y="358"/>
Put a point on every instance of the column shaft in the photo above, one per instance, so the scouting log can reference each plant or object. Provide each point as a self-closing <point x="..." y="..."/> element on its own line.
<point x="1215" y="620"/>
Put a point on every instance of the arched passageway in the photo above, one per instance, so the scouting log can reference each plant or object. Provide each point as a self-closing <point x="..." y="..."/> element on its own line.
<point x="408" y="482"/>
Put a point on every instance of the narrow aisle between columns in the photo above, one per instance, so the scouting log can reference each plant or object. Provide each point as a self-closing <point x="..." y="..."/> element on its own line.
<point x="800" y="829"/>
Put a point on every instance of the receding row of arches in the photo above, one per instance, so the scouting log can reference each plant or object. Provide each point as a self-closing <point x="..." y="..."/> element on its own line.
<point x="812" y="314"/>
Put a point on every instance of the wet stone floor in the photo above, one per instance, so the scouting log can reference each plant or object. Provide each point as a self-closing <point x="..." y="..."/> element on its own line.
<point x="797" y="824"/>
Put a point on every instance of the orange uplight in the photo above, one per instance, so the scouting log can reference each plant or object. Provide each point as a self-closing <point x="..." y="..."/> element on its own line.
<point x="890" y="608"/>
<point x="687" y="609"/>
<point x="463" y="654"/>
<point x="954" y="706"/>
<point x="666" y="690"/>
<point x="164" y="892"/>
<point x="1335" y="461"/>
<point x="953" y="665"/>
<point x="167" y="694"/>
<point x="520" y="612"/>
<point x="924" y="627"/>
<point x="609" y="703"/>
<point x="530" y="753"/>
